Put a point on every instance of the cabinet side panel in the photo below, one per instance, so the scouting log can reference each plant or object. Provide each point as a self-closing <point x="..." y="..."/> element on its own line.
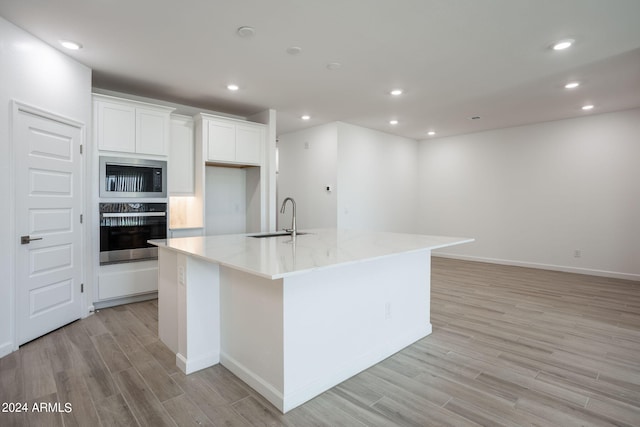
<point x="168" y="298"/>
<point x="251" y="330"/>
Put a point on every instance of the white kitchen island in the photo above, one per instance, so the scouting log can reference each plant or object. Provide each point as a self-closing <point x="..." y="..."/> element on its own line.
<point x="294" y="317"/>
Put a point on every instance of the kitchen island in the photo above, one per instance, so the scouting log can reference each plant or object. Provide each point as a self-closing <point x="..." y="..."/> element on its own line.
<point x="293" y="317"/>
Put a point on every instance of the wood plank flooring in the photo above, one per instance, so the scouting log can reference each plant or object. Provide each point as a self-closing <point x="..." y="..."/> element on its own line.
<point x="510" y="347"/>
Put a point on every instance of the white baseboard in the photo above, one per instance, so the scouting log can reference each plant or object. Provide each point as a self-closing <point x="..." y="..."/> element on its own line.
<point x="189" y="366"/>
<point x="566" y="269"/>
<point x="255" y="381"/>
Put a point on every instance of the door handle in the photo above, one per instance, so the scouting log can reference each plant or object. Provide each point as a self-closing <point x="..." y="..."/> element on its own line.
<point x="25" y="240"/>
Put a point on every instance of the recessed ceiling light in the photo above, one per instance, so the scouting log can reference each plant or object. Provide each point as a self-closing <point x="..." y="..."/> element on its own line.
<point x="572" y="85"/>
<point x="294" y="50"/>
<point x="305" y="117"/>
<point x="431" y="133"/>
<point x="393" y="122"/>
<point x="587" y="107"/>
<point x="396" y="92"/>
<point x="246" y="32"/>
<point x="333" y="65"/>
<point x="71" y="45"/>
<point x="233" y="87"/>
<point x="563" y="44"/>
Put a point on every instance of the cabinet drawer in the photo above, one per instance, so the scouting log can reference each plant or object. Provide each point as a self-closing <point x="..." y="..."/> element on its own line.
<point x="117" y="282"/>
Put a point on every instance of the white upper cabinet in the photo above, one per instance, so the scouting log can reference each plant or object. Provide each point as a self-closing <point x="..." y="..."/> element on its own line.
<point x="249" y="141"/>
<point x="182" y="157"/>
<point x="152" y="131"/>
<point x="131" y="127"/>
<point x="232" y="142"/>
<point x="221" y="141"/>
<point x="116" y="126"/>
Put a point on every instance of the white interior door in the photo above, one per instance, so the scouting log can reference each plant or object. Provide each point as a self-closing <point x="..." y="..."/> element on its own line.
<point x="48" y="203"/>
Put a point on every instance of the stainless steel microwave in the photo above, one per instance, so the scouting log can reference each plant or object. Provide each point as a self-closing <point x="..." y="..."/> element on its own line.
<point x="132" y="178"/>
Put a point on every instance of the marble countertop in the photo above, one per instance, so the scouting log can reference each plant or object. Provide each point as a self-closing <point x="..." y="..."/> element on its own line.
<point x="282" y="256"/>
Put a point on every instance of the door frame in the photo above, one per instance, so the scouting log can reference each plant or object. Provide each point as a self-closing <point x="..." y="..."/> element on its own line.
<point x="16" y="108"/>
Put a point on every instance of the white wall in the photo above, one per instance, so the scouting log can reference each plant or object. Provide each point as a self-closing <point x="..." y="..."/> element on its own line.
<point x="36" y="74"/>
<point x="307" y="165"/>
<point x="533" y="195"/>
<point x="377" y="180"/>
<point x="530" y="195"/>
<point x="373" y="176"/>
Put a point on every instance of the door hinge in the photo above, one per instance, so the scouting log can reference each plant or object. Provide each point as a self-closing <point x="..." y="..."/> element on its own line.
<point x="81" y="288"/>
<point x="81" y="218"/>
<point x="80" y="148"/>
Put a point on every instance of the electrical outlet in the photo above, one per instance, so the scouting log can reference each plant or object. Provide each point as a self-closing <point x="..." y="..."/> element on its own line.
<point x="181" y="275"/>
<point x="577" y="253"/>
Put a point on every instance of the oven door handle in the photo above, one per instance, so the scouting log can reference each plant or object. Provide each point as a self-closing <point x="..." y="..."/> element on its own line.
<point x="132" y="214"/>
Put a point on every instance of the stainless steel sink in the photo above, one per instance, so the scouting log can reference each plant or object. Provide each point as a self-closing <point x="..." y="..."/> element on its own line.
<point x="278" y="234"/>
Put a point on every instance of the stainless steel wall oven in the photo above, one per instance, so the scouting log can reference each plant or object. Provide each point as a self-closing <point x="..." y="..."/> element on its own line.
<point x="125" y="229"/>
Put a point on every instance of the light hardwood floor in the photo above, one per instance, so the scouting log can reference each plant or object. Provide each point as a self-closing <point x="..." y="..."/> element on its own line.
<point x="510" y="346"/>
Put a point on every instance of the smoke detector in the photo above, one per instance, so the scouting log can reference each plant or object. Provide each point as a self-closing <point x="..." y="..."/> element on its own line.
<point x="246" y="32"/>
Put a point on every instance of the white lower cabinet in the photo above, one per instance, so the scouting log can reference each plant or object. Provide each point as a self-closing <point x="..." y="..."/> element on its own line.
<point x="127" y="279"/>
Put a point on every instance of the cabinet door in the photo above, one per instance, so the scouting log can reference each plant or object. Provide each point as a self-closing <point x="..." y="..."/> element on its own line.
<point x="249" y="144"/>
<point x="221" y="141"/>
<point x="116" y="127"/>
<point x="181" y="158"/>
<point x="152" y="132"/>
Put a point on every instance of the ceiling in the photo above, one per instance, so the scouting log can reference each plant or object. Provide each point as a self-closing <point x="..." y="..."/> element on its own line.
<point x="454" y="59"/>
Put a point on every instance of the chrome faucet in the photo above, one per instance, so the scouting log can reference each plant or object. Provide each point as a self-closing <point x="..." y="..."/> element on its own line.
<point x="293" y="229"/>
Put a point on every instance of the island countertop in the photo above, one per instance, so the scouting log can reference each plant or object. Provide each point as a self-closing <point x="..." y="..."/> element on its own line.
<point x="282" y="256"/>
